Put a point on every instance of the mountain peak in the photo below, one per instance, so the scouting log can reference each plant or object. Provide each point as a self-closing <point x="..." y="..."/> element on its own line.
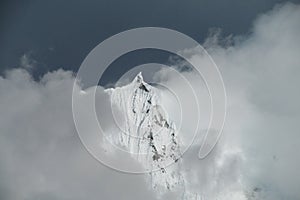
<point x="138" y="81"/>
<point x="139" y="78"/>
<point x="149" y="134"/>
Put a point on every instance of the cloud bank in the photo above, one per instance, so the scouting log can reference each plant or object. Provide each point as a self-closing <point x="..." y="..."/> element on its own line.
<point x="257" y="155"/>
<point x="256" y="158"/>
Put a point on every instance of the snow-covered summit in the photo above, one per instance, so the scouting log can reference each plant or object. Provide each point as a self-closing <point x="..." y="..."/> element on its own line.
<point x="145" y="130"/>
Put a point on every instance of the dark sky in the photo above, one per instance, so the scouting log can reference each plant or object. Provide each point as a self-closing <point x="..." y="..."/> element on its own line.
<point x="59" y="34"/>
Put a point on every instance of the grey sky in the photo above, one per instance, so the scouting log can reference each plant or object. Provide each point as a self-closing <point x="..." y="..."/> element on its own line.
<point x="59" y="34"/>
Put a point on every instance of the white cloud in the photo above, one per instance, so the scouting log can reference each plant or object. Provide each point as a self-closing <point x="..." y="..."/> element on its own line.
<point x="41" y="154"/>
<point x="258" y="152"/>
<point x="42" y="157"/>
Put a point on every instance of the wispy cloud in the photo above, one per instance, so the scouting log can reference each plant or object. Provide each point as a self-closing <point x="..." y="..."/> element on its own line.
<point x="27" y="62"/>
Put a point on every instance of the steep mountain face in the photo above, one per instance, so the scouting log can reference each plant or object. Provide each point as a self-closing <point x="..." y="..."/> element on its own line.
<point x="148" y="134"/>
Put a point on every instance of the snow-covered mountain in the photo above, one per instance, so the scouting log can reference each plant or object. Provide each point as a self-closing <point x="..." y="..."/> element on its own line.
<point x="146" y="130"/>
